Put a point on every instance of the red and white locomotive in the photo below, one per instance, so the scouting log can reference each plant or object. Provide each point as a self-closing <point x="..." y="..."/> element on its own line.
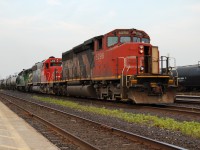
<point x="121" y="64"/>
<point x="44" y="74"/>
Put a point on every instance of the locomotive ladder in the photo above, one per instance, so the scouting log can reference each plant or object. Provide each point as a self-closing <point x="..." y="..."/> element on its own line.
<point x="124" y="76"/>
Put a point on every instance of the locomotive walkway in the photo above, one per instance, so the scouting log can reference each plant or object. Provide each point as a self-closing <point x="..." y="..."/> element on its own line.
<point x="16" y="134"/>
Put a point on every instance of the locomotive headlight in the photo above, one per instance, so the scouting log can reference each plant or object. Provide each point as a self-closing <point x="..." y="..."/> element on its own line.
<point x="141" y="49"/>
<point x="141" y="68"/>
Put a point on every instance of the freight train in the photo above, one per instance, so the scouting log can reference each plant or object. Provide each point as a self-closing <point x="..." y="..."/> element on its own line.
<point x="119" y="65"/>
<point x="188" y="78"/>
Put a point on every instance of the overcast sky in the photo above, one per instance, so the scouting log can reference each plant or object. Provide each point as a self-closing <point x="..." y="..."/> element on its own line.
<point x="33" y="30"/>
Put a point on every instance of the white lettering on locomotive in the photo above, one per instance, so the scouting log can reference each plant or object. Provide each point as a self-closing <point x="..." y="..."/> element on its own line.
<point x="99" y="56"/>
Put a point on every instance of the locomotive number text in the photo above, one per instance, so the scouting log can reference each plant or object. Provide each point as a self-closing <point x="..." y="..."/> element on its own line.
<point x="99" y="56"/>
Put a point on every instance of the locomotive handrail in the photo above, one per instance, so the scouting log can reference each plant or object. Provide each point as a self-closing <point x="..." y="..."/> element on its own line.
<point x="127" y="66"/>
<point x="174" y="70"/>
<point x="124" y="64"/>
<point x="162" y="60"/>
<point x="122" y="69"/>
<point x="167" y="64"/>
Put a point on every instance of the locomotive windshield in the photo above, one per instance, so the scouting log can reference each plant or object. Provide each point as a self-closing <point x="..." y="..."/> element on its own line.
<point x="136" y="39"/>
<point x="112" y="40"/>
<point x="124" y="39"/>
<point x="55" y="64"/>
<point x="145" y="40"/>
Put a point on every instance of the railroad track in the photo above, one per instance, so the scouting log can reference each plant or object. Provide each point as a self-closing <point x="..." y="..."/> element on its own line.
<point x="127" y="105"/>
<point x="188" y="99"/>
<point x="129" y="137"/>
<point x="66" y="135"/>
<point x="178" y="109"/>
<point x="161" y="107"/>
<point x="158" y="107"/>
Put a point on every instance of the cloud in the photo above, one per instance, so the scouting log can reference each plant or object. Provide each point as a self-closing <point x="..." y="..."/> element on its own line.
<point x="54" y="2"/>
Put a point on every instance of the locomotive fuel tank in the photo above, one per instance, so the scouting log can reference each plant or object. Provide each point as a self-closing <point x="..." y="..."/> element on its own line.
<point x="82" y="91"/>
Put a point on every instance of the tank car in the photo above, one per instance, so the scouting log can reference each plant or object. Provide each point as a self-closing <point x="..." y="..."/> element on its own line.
<point x="4" y="84"/>
<point x="11" y="82"/>
<point x="1" y="84"/>
<point x="44" y="74"/>
<point x="120" y="65"/>
<point x="8" y="81"/>
<point x="189" y="78"/>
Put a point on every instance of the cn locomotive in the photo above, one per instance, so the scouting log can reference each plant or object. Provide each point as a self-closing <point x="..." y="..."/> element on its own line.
<point x="39" y="78"/>
<point x="188" y="78"/>
<point x="120" y="65"/>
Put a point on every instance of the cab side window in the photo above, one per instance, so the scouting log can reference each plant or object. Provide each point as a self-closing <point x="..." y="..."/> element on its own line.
<point x="112" y="41"/>
<point x="47" y="66"/>
<point x="124" y="39"/>
<point x="100" y="44"/>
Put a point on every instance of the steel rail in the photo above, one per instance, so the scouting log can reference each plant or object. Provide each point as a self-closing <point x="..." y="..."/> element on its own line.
<point x="166" y="107"/>
<point x="81" y="143"/>
<point x="179" y="109"/>
<point x="187" y="99"/>
<point x="131" y="136"/>
<point x="162" y="107"/>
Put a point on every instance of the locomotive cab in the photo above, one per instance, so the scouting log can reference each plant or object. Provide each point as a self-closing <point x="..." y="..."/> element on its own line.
<point x="52" y="69"/>
<point x="128" y="55"/>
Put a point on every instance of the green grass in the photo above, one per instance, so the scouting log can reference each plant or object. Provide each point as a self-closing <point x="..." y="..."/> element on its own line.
<point x="191" y="128"/>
